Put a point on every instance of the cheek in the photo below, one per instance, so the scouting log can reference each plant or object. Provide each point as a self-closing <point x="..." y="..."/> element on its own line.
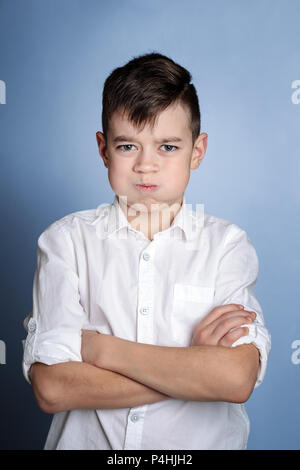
<point x="117" y="174"/>
<point x="180" y="175"/>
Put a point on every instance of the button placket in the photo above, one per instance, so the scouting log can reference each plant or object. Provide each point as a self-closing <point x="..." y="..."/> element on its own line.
<point x="145" y="300"/>
<point x="134" y="430"/>
<point x="135" y="421"/>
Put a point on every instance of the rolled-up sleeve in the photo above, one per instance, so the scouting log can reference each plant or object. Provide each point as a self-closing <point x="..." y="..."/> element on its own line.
<point x="236" y="278"/>
<point x="54" y="325"/>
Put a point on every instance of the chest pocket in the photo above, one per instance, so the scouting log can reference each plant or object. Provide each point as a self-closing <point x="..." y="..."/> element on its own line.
<point x="190" y="305"/>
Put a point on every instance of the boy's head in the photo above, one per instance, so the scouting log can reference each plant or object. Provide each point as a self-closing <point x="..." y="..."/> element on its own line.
<point x="151" y="130"/>
<point x="145" y="87"/>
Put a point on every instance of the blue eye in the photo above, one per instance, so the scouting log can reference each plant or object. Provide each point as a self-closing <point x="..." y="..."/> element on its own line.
<point x="169" y="148"/>
<point x="125" y="148"/>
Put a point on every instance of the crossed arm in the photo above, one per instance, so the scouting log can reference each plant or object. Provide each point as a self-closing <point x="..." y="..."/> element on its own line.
<point x="117" y="373"/>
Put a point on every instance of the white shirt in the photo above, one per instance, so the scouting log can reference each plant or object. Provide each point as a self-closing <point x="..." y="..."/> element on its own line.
<point x="95" y="271"/>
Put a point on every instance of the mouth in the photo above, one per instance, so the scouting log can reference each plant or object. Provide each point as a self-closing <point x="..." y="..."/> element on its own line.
<point x="146" y="187"/>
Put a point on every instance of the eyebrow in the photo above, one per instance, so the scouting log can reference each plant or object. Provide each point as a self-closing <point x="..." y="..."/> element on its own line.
<point x="124" y="138"/>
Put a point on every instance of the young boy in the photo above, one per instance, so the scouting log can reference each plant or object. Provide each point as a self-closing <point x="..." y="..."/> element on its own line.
<point x="145" y="331"/>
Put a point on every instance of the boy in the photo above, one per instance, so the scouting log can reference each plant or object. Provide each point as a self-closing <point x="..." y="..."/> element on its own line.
<point x="145" y="332"/>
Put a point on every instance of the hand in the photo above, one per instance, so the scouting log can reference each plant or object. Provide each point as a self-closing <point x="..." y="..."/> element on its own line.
<point x="90" y="344"/>
<point x="215" y="328"/>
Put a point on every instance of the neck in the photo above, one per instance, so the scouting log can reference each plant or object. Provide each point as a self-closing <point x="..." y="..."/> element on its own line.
<point x="153" y="219"/>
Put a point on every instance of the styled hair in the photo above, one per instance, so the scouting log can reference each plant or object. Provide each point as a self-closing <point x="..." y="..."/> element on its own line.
<point x="144" y="87"/>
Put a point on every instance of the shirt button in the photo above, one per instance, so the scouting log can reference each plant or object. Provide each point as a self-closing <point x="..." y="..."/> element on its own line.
<point x="31" y="325"/>
<point x="146" y="256"/>
<point x="134" y="418"/>
<point x="144" y="310"/>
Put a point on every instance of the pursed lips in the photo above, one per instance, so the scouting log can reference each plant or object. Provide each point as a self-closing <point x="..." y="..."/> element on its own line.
<point x="146" y="187"/>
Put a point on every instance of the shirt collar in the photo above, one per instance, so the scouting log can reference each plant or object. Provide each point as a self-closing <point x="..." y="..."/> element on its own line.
<point x="186" y="221"/>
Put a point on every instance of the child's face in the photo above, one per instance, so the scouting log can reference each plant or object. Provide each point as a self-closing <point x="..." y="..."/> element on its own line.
<point x="161" y="156"/>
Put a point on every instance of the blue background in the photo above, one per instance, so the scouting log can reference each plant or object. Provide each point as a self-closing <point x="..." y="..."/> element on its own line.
<point x="243" y="56"/>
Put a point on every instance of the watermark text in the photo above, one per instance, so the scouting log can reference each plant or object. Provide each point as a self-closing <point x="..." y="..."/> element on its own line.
<point x="2" y="92"/>
<point x="2" y="352"/>
<point x="296" y="94"/>
<point x="295" y="357"/>
<point x="153" y="218"/>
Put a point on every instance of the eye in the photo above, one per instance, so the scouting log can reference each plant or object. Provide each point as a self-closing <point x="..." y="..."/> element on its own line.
<point x="169" y="148"/>
<point x="125" y="147"/>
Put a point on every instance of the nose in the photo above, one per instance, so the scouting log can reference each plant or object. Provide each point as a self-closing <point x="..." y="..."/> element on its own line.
<point x="146" y="162"/>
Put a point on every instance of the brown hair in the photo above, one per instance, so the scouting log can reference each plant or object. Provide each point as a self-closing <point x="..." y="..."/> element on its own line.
<point x="144" y="87"/>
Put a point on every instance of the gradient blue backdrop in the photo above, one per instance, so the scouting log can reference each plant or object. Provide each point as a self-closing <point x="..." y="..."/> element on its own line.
<point x="243" y="56"/>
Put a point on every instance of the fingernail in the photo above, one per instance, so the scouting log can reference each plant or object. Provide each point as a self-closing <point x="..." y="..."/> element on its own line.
<point x="241" y="306"/>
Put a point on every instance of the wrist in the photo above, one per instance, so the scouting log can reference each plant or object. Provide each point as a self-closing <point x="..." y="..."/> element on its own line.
<point x="108" y="352"/>
<point x="100" y="350"/>
<point x="114" y="353"/>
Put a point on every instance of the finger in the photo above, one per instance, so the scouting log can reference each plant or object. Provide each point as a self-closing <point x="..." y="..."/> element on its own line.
<point x="210" y="328"/>
<point x="218" y="312"/>
<point x="235" y="313"/>
<point x="225" y="326"/>
<point x="214" y="332"/>
<point x="233" y="336"/>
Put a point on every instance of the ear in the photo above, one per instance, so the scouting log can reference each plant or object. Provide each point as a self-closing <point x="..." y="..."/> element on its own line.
<point x="101" y="142"/>
<point x="199" y="150"/>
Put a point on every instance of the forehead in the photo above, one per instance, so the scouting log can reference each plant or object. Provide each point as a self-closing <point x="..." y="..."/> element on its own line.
<point x="174" y="120"/>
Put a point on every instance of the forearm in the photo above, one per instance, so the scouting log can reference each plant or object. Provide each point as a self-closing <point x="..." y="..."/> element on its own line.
<point x="202" y="373"/>
<point x="77" y="385"/>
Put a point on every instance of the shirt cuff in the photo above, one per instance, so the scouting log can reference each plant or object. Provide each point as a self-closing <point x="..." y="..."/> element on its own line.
<point x="260" y="337"/>
<point x="50" y="347"/>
